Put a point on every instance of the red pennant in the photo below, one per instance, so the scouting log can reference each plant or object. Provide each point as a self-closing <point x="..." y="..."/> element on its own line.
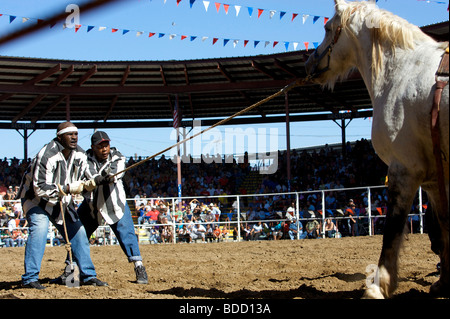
<point x="77" y="27"/>
<point x="325" y="20"/>
<point x="217" y="6"/>
<point x="275" y="43"/>
<point x="151" y="34"/>
<point x="114" y="30"/>
<point x="183" y="37"/>
<point x="215" y="40"/>
<point x="260" y="11"/>
<point x="306" y="45"/>
<point x="379" y="210"/>
<point x="226" y="7"/>
<point x="245" y="43"/>
<point x="294" y="15"/>
<point x="178" y="2"/>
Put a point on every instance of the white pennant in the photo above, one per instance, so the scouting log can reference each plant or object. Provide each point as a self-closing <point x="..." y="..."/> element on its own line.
<point x="172" y="36"/>
<point x="25" y="19"/>
<point x="206" y="4"/>
<point x="305" y="16"/>
<point x="101" y="28"/>
<point x="272" y="13"/>
<point x="266" y="44"/>
<point x="204" y="38"/>
<point x="139" y="33"/>
<point x="238" y="9"/>
<point x="295" y="45"/>
<point x="235" y="43"/>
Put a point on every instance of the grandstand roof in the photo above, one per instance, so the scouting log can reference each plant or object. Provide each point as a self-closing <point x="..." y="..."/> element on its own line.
<point x="39" y="93"/>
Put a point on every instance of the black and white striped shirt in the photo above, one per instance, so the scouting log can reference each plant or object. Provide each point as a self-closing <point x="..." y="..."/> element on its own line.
<point x="108" y="199"/>
<point x="48" y="169"/>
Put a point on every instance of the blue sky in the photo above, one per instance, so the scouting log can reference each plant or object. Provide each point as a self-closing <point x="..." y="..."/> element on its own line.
<point x="171" y="19"/>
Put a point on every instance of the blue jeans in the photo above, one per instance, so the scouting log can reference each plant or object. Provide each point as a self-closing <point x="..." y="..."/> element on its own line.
<point x="38" y="221"/>
<point x="123" y="229"/>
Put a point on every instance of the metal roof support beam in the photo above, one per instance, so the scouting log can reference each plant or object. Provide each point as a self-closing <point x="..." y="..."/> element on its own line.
<point x="63" y="76"/>
<point x="44" y="75"/>
<point x="148" y="90"/>
<point x="224" y="72"/>
<point x="30" y="106"/>
<point x="86" y="76"/>
<point x="49" y="109"/>
<point x="163" y="76"/>
<point x="186" y="75"/>
<point x="283" y="66"/>
<point x="257" y="66"/>
<point x="115" y="98"/>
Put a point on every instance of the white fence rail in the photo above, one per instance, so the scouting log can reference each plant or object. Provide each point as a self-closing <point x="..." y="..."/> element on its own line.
<point x="237" y="212"/>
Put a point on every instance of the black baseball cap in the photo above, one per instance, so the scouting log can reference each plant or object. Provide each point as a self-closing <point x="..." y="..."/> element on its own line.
<point x="99" y="137"/>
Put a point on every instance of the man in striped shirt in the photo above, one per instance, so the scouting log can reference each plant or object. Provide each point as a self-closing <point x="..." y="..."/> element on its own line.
<point x="59" y="163"/>
<point x="108" y="200"/>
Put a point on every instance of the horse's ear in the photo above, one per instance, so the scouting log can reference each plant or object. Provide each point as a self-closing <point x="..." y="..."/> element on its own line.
<point x="340" y="5"/>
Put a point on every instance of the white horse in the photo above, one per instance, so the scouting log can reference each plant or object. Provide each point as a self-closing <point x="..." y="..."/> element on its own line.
<point x="398" y="63"/>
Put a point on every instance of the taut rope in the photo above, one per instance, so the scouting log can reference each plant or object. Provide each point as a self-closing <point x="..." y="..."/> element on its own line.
<point x="284" y="90"/>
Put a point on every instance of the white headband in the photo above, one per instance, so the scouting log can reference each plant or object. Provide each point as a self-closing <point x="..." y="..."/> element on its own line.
<point x="70" y="129"/>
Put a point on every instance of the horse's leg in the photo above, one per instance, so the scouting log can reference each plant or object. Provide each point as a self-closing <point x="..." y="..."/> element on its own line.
<point x="401" y="189"/>
<point x="441" y="288"/>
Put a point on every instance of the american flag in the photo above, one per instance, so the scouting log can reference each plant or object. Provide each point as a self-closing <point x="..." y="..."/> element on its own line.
<point x="176" y="115"/>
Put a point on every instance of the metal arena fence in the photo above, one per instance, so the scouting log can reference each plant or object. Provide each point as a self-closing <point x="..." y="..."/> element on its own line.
<point x="306" y="214"/>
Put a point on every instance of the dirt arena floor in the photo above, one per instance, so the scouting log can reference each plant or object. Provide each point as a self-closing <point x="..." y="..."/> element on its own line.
<point x="305" y="269"/>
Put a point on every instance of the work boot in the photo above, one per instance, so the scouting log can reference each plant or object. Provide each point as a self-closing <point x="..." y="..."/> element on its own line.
<point x="141" y="275"/>
<point x="95" y="282"/>
<point x="35" y="285"/>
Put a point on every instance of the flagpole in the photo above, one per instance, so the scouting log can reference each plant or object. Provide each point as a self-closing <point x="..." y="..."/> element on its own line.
<point x="178" y="152"/>
<point x="179" y="169"/>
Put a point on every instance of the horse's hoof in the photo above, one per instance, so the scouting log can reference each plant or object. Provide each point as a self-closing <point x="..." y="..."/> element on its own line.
<point x="440" y="290"/>
<point x="373" y="292"/>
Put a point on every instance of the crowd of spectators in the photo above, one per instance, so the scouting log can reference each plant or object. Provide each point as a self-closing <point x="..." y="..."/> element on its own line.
<point x="311" y="170"/>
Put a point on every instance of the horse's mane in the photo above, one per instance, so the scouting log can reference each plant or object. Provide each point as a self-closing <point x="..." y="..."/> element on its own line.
<point x="388" y="31"/>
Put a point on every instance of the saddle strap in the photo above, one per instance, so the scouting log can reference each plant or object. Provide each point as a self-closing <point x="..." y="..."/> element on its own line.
<point x="443" y="69"/>
<point x="435" y="133"/>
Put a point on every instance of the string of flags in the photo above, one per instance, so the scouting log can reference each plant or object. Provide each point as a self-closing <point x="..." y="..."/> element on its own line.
<point x="171" y="36"/>
<point x="252" y="10"/>
<point x="214" y="40"/>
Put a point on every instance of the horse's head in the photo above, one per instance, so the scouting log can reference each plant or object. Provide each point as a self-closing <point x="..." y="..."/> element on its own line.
<point x="357" y="36"/>
<point x="334" y="57"/>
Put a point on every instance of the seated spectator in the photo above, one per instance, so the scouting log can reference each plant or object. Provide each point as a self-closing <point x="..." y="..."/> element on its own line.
<point x="277" y="231"/>
<point x="296" y="228"/>
<point x="311" y="229"/>
<point x="330" y="228"/>
<point x="198" y="231"/>
<point x="290" y="212"/>
<point x="141" y="214"/>
<point x="209" y="217"/>
<point x="217" y="233"/>
<point x="152" y="215"/>
<point x="257" y="231"/>
<point x="183" y="235"/>
<point x="154" y="237"/>
<point x="167" y="234"/>
<point x="6" y="238"/>
<point x="225" y="233"/>
<point x="209" y="233"/>
<point x="215" y="211"/>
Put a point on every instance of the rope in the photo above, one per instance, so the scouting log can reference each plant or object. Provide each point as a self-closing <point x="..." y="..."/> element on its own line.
<point x="68" y="245"/>
<point x="284" y="90"/>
